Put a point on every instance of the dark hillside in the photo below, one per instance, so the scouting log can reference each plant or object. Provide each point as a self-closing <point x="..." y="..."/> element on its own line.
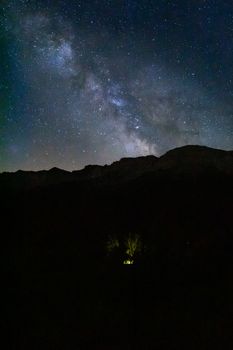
<point x="69" y="235"/>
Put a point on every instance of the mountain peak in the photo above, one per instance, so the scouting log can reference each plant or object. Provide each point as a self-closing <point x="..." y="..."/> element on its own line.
<point x="57" y="170"/>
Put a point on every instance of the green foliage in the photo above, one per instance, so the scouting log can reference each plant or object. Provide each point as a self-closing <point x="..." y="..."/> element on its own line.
<point x="112" y="244"/>
<point x="133" y="245"/>
<point x="128" y="249"/>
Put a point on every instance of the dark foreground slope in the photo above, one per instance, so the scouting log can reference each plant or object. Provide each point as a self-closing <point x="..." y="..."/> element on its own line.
<point x="68" y="285"/>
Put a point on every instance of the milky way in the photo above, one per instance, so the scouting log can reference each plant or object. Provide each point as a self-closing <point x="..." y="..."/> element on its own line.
<point x="94" y="81"/>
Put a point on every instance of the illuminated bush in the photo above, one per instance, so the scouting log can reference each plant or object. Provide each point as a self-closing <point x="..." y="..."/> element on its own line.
<point x="128" y="249"/>
<point x="112" y="244"/>
<point x="133" y="245"/>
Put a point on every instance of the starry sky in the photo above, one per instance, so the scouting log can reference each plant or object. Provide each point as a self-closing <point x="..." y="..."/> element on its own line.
<point x="92" y="81"/>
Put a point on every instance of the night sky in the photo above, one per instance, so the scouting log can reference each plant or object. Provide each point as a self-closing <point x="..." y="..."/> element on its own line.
<point x="92" y="81"/>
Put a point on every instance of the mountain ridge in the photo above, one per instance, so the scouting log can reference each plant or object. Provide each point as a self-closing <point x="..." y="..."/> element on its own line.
<point x="189" y="160"/>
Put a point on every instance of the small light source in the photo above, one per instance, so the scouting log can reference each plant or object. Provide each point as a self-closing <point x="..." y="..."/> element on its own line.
<point x="128" y="262"/>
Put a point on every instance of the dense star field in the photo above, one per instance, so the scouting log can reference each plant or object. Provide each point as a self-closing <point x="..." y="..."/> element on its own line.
<point x="92" y="81"/>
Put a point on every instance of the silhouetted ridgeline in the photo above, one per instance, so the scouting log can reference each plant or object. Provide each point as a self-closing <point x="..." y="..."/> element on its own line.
<point x="71" y="235"/>
<point x="186" y="160"/>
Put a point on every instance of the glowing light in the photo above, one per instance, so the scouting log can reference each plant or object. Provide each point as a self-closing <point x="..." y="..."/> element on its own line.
<point x="128" y="262"/>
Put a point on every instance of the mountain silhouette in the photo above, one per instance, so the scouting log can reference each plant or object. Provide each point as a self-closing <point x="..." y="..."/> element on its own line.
<point x="69" y="234"/>
<point x="184" y="160"/>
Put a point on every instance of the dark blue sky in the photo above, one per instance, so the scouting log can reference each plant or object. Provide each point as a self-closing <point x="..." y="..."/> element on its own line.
<point x="93" y="81"/>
